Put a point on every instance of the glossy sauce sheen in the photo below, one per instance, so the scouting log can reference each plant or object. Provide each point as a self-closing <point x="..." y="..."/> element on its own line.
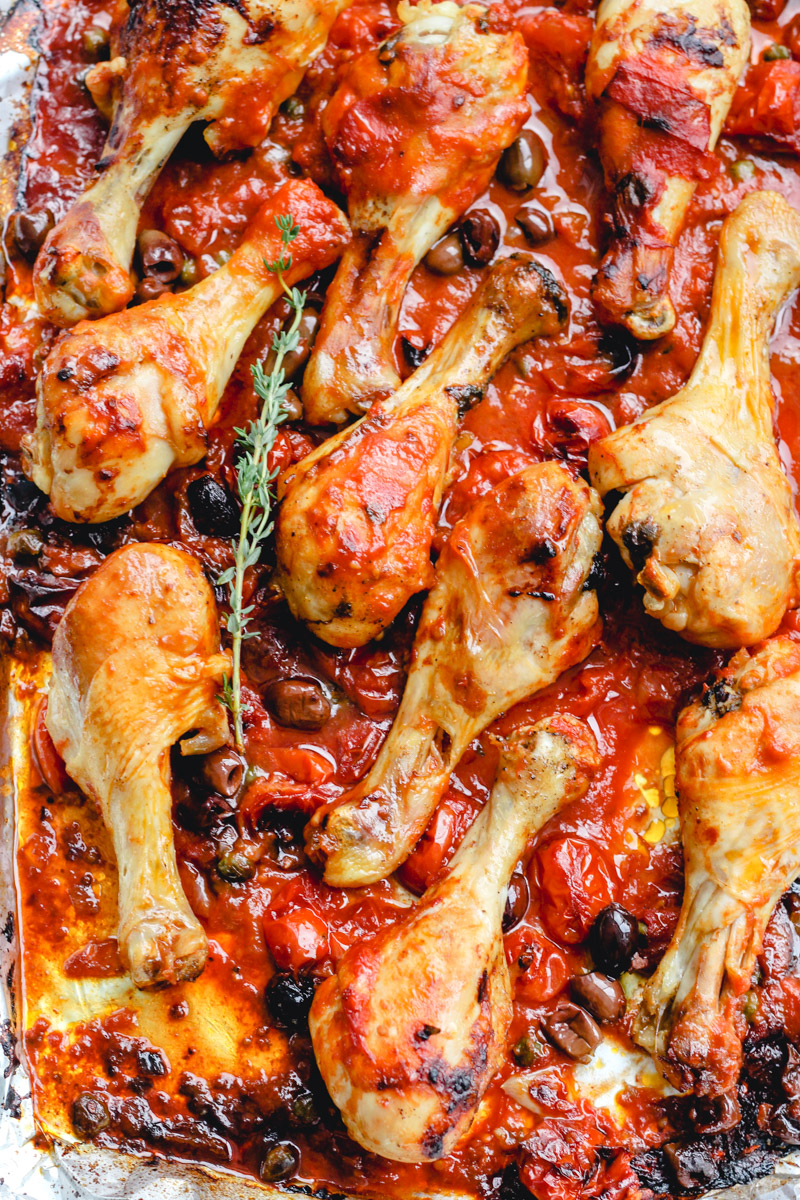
<point x="203" y="1100"/>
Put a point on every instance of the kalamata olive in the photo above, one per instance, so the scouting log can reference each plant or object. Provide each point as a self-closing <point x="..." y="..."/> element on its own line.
<point x="29" y="229"/>
<point x="446" y="257"/>
<point x="598" y="994"/>
<point x="293" y="406"/>
<point x="289" y="999"/>
<point x="90" y="1115"/>
<point x="766" y="10"/>
<point x="613" y="939"/>
<point x="95" y="42"/>
<point x="480" y="237"/>
<point x="522" y="165"/>
<point x="214" y="510"/>
<point x="279" y="1162"/>
<point x="790" y="1075"/>
<point x="572" y="1030"/>
<point x="536" y="223"/>
<point x="298" y="703"/>
<point x="693" y="1164"/>
<point x="715" y="1114"/>
<point x="306" y="333"/>
<point x="162" y="257"/>
<point x="517" y="901"/>
<point x="22" y="494"/>
<point x="222" y="771"/>
<point x="24" y="543"/>
<point x="785" y="1122"/>
<point x="150" y="288"/>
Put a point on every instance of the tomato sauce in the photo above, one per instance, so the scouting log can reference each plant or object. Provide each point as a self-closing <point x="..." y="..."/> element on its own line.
<point x="618" y="844"/>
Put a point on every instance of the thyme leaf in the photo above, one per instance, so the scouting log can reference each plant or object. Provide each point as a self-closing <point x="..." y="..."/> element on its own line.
<point x="254" y="476"/>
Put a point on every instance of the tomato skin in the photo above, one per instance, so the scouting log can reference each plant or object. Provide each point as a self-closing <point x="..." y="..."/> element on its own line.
<point x="295" y="932"/>
<point x="47" y="760"/>
<point x="574" y="883"/>
<point x="543" y="966"/>
<point x="299" y="939"/>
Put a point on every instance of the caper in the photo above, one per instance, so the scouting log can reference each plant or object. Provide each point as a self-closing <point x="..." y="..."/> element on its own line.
<point x="95" y="42"/>
<point x="24" y="543"/>
<point x="775" y="52"/>
<point x="235" y="867"/>
<point x="525" y="1051"/>
<point x="279" y="1162"/>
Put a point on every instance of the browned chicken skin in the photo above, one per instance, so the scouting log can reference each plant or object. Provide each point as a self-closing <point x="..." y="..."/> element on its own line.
<point x="136" y="665"/>
<point x="415" y="130"/>
<point x="410" y="1030"/>
<point x="708" y="522"/>
<point x="123" y="400"/>
<point x="662" y="77"/>
<point x="508" y="612"/>
<point x="738" y="778"/>
<point x="179" y="62"/>
<point x="354" y="531"/>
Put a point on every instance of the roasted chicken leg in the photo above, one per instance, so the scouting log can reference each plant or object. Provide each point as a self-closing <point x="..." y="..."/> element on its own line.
<point x="230" y="64"/>
<point x="708" y="522"/>
<point x="355" y="527"/>
<point x="662" y="77"/>
<point x="738" y="778"/>
<point x="415" y="130"/>
<point x="123" y="400"/>
<point x="510" y="609"/>
<point x="136" y="665"/>
<point x="410" y="1030"/>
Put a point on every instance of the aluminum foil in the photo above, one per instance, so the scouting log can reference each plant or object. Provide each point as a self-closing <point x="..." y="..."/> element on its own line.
<point x="29" y="1170"/>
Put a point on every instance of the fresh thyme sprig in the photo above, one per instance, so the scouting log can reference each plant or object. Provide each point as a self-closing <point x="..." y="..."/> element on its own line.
<point x="255" y="477"/>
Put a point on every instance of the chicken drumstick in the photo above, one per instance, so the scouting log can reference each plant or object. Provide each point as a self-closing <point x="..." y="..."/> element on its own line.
<point x="136" y="664"/>
<point x="354" y="531"/>
<point x="662" y="77"/>
<point x="231" y="64"/>
<point x="510" y="609"/>
<point x="415" y="129"/>
<point x="410" y="1030"/>
<point x="708" y="522"/>
<point x="123" y="400"/>
<point x="738" y="778"/>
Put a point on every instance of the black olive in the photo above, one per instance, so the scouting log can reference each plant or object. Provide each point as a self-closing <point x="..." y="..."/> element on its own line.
<point x="446" y="257"/>
<point x="222" y="771"/>
<point x="619" y="346"/>
<point x="214" y="510"/>
<point x="536" y="223"/>
<point x="715" y="1114"/>
<point x="600" y="995"/>
<point x="613" y="939"/>
<point x="785" y="1122"/>
<point x="162" y="257"/>
<point x="693" y="1164"/>
<point x="279" y="1162"/>
<point x="289" y="999"/>
<point x="298" y="703"/>
<point x="29" y="229"/>
<point x="480" y="237"/>
<point x="151" y="1062"/>
<point x="22" y="494"/>
<point x="522" y="165"/>
<point x="150" y="288"/>
<point x="90" y="1115"/>
<point x="572" y="1030"/>
<point x="517" y="901"/>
